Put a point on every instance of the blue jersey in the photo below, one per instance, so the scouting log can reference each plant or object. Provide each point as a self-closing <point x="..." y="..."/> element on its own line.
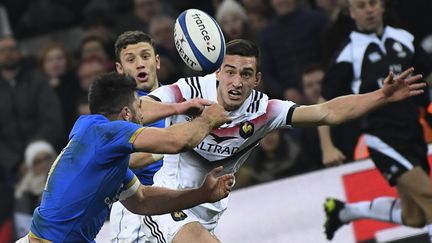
<point x="146" y="174"/>
<point x="84" y="181"/>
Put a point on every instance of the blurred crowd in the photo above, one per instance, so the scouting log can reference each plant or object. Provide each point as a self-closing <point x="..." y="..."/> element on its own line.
<point x="51" y="51"/>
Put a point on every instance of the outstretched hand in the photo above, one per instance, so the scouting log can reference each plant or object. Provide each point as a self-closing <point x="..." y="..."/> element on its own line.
<point x="403" y="87"/>
<point x="193" y="107"/>
<point x="217" y="187"/>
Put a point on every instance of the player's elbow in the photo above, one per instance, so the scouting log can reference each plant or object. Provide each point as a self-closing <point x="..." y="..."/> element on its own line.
<point x="330" y="116"/>
<point x="178" y="145"/>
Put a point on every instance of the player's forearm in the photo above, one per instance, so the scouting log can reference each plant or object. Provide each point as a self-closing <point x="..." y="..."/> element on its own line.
<point x="190" y="134"/>
<point x="158" y="200"/>
<point x="349" y="107"/>
<point x="141" y="160"/>
<point x="153" y="110"/>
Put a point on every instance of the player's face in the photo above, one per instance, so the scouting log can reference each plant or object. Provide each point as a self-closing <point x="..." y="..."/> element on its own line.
<point x="237" y="77"/>
<point x="367" y="15"/>
<point x="140" y="62"/>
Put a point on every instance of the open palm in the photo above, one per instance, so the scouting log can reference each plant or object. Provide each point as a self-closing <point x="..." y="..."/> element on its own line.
<point x="404" y="86"/>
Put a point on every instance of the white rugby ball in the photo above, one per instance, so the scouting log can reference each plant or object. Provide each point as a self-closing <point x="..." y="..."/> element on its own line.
<point x="199" y="40"/>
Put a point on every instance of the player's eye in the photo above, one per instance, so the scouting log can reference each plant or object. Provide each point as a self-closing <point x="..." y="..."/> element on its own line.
<point x="246" y="75"/>
<point x="230" y="72"/>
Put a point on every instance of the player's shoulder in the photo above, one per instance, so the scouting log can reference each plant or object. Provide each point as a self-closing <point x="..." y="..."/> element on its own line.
<point x="257" y="101"/>
<point x="199" y="86"/>
<point x="399" y="35"/>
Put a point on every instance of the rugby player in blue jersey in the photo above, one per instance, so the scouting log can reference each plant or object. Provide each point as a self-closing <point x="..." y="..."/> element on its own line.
<point x="92" y="170"/>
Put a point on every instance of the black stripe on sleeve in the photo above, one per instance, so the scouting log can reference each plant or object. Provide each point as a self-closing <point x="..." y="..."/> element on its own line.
<point x="154" y="97"/>
<point x="290" y="113"/>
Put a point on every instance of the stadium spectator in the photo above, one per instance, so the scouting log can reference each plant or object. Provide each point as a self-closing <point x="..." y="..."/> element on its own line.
<point x="30" y="110"/>
<point x="233" y="20"/>
<point x="291" y="40"/>
<point x="29" y="107"/>
<point x="93" y="47"/>
<point x="308" y="139"/>
<point x="88" y="70"/>
<point x="162" y="30"/>
<point x="39" y="155"/>
<point x="55" y="63"/>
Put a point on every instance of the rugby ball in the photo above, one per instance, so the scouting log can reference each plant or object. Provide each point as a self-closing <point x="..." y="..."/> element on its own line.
<point x="199" y="40"/>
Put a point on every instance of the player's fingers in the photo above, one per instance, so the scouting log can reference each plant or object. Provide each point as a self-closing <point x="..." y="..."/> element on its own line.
<point x="203" y="102"/>
<point x="228" y="178"/>
<point x="417" y="86"/>
<point x="390" y="78"/>
<point x="405" y="73"/>
<point x="416" y="92"/>
<point x="413" y="79"/>
<point x="216" y="170"/>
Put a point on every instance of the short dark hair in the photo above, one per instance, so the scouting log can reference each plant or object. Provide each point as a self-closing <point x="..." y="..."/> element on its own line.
<point x="131" y="38"/>
<point x="110" y="92"/>
<point x="311" y="67"/>
<point x="244" y="48"/>
<point x="92" y="38"/>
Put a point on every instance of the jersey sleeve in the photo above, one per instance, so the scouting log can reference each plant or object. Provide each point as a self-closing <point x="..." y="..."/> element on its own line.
<point x="130" y="185"/>
<point x="280" y="112"/>
<point x="174" y="93"/>
<point x="117" y="139"/>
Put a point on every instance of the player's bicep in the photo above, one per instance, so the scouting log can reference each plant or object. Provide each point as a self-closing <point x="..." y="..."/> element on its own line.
<point x="309" y="115"/>
<point x="157" y="140"/>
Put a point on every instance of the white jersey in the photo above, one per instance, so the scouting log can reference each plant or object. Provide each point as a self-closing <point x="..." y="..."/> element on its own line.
<point x="228" y="145"/>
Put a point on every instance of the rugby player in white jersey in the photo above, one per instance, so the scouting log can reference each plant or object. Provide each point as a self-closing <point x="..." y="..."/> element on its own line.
<point x="253" y="115"/>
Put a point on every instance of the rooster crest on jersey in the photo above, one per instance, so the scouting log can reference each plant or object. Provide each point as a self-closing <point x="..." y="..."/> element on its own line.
<point x="246" y="129"/>
<point x="199" y="40"/>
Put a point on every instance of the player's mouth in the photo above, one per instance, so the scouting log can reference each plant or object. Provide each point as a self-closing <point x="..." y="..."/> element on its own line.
<point x="234" y="94"/>
<point x="142" y="77"/>
<point x="370" y="20"/>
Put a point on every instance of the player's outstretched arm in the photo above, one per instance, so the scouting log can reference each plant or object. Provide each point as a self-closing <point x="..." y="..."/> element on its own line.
<point x="182" y="136"/>
<point x="153" y="110"/>
<point x="141" y="160"/>
<point x="345" y="108"/>
<point x="150" y="200"/>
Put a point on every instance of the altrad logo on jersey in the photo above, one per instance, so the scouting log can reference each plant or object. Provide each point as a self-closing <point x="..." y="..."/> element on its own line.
<point x="246" y="129"/>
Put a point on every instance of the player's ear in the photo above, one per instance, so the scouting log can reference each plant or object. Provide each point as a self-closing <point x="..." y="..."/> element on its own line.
<point x="217" y="73"/>
<point x="157" y="61"/>
<point x="125" y="114"/>
<point x="119" y="68"/>
<point x="258" y="78"/>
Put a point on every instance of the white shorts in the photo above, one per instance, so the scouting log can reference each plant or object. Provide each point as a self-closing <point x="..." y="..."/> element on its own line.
<point x="23" y="240"/>
<point x="163" y="228"/>
<point x="125" y="226"/>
